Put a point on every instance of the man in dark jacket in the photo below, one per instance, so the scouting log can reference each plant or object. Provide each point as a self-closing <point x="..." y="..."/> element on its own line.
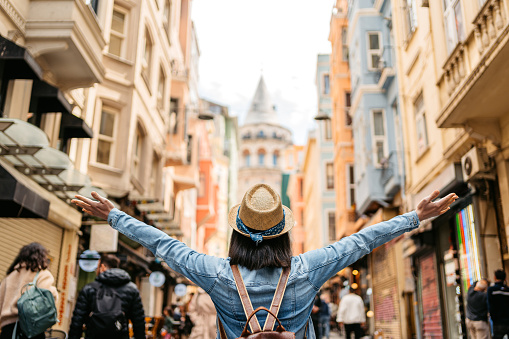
<point x="477" y="310"/>
<point x="120" y="296"/>
<point x="498" y="301"/>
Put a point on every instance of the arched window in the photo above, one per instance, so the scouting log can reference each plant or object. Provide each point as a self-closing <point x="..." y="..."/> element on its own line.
<point x="275" y="158"/>
<point x="261" y="157"/>
<point x="260" y="135"/>
<point x="247" y="158"/>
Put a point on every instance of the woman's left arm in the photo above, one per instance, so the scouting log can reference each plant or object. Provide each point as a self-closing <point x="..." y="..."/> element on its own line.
<point x="323" y="263"/>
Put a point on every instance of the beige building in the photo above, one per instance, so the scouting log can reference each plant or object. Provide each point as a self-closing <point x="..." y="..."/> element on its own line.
<point x="452" y="66"/>
<point x="48" y="58"/>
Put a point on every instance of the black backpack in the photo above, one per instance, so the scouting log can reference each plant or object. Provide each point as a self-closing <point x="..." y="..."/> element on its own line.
<point x="107" y="319"/>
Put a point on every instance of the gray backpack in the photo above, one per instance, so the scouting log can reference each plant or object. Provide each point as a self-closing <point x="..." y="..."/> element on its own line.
<point x="36" y="310"/>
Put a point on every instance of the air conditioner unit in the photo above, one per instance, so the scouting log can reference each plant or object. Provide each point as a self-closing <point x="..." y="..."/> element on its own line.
<point x="475" y="163"/>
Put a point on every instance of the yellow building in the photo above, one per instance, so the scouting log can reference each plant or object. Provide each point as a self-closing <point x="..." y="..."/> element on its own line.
<point x="453" y="71"/>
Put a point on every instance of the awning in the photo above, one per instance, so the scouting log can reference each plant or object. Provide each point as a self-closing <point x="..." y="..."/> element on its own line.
<point x="17" y="200"/>
<point x="73" y="127"/>
<point x="26" y="148"/>
<point x="17" y="62"/>
<point x="47" y="98"/>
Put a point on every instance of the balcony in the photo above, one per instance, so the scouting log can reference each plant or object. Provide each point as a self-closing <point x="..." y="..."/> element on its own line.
<point x="385" y="71"/>
<point x="65" y="38"/>
<point x="472" y="94"/>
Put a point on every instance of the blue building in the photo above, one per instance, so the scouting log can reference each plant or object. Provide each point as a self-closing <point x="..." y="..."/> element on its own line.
<point x="376" y="123"/>
<point x="325" y="148"/>
<point x="378" y="162"/>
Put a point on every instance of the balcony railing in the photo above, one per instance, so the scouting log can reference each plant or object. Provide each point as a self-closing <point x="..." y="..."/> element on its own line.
<point x="454" y="68"/>
<point x="488" y="24"/>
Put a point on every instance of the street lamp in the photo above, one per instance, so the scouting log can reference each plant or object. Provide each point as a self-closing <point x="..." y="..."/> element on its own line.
<point x="322" y="116"/>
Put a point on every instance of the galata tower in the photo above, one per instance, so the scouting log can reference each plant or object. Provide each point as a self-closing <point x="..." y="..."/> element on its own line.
<point x="262" y="144"/>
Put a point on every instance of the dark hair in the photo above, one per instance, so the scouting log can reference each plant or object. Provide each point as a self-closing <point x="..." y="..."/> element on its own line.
<point x="34" y="256"/>
<point x="500" y="275"/>
<point x="110" y="261"/>
<point x="275" y="252"/>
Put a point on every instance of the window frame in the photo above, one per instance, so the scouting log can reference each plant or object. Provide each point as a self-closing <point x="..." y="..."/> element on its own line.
<point x="376" y="138"/>
<point x="329" y="180"/>
<point x="325" y="84"/>
<point x="350" y="185"/>
<point x="344" y="44"/>
<point x="348" y="105"/>
<point x="161" y="97"/>
<point x="370" y="52"/>
<point x="330" y="212"/>
<point x="146" y="68"/>
<point x="122" y="36"/>
<point x="455" y="34"/>
<point x="261" y="157"/>
<point x="327" y="130"/>
<point x="420" y="122"/>
<point x="137" y="161"/>
<point x="102" y="137"/>
<point x="167" y="20"/>
<point x="411" y="23"/>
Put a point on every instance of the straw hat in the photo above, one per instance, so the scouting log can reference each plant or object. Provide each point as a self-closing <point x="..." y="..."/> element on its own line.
<point x="260" y="210"/>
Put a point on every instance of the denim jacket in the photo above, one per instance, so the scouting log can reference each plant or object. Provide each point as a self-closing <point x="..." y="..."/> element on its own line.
<point x="309" y="271"/>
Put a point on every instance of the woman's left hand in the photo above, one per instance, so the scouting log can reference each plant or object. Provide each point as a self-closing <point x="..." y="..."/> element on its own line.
<point x="427" y="208"/>
<point x="100" y="208"/>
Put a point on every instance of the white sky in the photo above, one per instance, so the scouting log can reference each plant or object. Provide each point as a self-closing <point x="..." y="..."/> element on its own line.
<point x="239" y="38"/>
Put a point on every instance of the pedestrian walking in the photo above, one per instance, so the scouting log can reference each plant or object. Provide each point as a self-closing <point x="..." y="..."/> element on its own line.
<point x="107" y="304"/>
<point x="203" y="315"/>
<point x="477" y="310"/>
<point x="31" y="260"/>
<point x="315" y="315"/>
<point x="324" y="318"/>
<point x="260" y="252"/>
<point x="351" y="315"/>
<point x="169" y="323"/>
<point x="498" y="305"/>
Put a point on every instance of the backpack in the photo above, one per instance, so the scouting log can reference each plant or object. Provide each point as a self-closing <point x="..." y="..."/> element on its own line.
<point x="107" y="318"/>
<point x="36" y="310"/>
<point x="257" y="333"/>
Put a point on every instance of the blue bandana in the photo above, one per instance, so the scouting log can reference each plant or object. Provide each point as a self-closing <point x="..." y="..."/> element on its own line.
<point x="257" y="236"/>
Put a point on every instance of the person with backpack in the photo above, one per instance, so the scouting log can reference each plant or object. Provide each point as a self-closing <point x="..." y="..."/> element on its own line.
<point x="260" y="271"/>
<point x="106" y="305"/>
<point x="29" y="266"/>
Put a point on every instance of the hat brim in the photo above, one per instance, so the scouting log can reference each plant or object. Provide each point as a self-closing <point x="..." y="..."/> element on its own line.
<point x="289" y="222"/>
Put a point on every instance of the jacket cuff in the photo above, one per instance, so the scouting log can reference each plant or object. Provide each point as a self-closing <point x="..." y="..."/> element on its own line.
<point x="413" y="219"/>
<point x="113" y="217"/>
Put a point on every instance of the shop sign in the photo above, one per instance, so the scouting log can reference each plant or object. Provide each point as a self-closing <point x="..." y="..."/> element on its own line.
<point x="103" y="238"/>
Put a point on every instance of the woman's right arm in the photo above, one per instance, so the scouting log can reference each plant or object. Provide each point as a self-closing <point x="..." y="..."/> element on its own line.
<point x="199" y="268"/>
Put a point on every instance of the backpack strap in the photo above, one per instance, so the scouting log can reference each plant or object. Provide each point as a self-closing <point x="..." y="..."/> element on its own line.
<point x="244" y="298"/>
<point x="276" y="301"/>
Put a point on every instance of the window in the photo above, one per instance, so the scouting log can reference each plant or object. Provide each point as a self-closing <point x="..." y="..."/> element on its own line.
<point x="174" y="106"/>
<point x="261" y="157"/>
<point x="260" y="135"/>
<point x="350" y="184"/>
<point x="329" y="174"/>
<point x="275" y="158"/>
<point x="154" y="175"/>
<point x="332" y="226"/>
<point x="117" y="35"/>
<point x="94" y="4"/>
<point x="420" y="122"/>
<point x="202" y="188"/>
<point x="326" y="84"/>
<point x="167" y="18"/>
<point x="138" y="152"/>
<point x="302" y="217"/>
<point x="147" y="58"/>
<point x="161" y="89"/>
<point x="106" y="136"/>
<point x="410" y="9"/>
<point x="374" y="49"/>
<point x="247" y="158"/>
<point x="348" y="103"/>
<point x="379" y="137"/>
<point x="344" y="37"/>
<point x="301" y="188"/>
<point x="327" y="126"/>
<point x="454" y="26"/>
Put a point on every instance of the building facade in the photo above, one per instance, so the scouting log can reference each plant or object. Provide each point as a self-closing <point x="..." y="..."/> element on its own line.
<point x="452" y="65"/>
<point x="378" y="158"/>
<point x="263" y="140"/>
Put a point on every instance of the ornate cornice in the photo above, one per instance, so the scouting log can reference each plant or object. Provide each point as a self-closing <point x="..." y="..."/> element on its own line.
<point x="13" y="13"/>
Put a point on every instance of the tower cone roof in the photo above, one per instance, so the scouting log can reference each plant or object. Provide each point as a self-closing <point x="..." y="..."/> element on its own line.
<point x="261" y="109"/>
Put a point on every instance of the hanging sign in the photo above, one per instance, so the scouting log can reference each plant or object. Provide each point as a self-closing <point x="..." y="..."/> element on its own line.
<point x="89" y="260"/>
<point x="180" y="290"/>
<point x="157" y="279"/>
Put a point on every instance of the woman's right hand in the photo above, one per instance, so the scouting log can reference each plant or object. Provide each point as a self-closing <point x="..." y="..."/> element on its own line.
<point x="427" y="208"/>
<point x="100" y="208"/>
